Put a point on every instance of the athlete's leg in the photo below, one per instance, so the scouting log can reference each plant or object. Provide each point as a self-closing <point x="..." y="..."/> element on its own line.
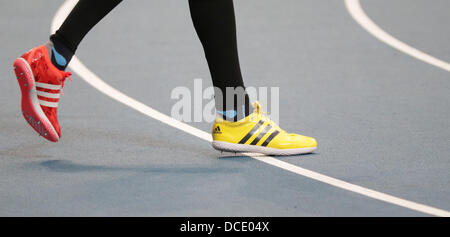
<point x="214" y="21"/>
<point x="84" y="16"/>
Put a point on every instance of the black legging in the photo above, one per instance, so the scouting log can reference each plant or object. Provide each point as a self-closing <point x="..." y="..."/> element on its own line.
<point x="214" y="21"/>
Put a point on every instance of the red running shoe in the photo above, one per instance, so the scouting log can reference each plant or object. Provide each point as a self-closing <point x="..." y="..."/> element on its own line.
<point x="41" y="85"/>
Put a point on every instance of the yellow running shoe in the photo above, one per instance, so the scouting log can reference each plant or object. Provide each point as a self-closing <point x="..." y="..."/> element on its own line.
<point x="257" y="133"/>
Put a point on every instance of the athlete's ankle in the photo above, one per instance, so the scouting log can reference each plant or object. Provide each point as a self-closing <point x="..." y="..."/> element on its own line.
<point x="234" y="111"/>
<point x="60" y="54"/>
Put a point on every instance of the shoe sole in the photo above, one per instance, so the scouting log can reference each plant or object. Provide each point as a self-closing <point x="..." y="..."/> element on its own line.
<point x="31" y="109"/>
<point x="232" y="147"/>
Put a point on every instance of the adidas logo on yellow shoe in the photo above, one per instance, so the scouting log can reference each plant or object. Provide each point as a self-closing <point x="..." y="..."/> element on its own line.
<point x="258" y="133"/>
<point x="217" y="130"/>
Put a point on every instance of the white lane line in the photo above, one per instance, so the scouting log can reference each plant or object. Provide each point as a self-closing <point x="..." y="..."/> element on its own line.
<point x="356" y="11"/>
<point x="100" y="85"/>
<point x="354" y="188"/>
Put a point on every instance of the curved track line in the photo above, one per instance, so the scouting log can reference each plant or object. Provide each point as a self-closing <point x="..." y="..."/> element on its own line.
<point x="356" y="11"/>
<point x="103" y="87"/>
